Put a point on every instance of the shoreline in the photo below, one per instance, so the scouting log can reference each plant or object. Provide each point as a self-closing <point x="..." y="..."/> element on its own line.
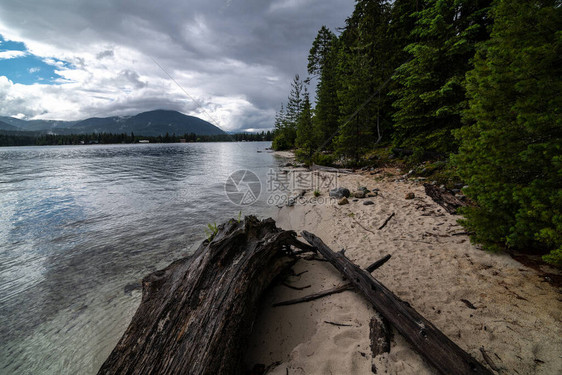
<point x="476" y="298"/>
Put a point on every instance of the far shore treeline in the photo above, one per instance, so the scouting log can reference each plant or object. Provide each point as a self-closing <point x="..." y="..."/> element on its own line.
<point x="8" y="138"/>
<point x="477" y="82"/>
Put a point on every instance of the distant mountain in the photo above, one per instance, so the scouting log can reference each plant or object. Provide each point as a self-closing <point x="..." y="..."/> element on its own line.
<point x="152" y="123"/>
<point x="36" y="125"/>
<point x="5" y="126"/>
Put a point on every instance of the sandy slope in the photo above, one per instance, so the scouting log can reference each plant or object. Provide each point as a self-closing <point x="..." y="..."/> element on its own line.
<point x="517" y="317"/>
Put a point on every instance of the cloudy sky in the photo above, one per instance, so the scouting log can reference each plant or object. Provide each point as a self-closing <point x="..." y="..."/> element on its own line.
<point x="229" y="62"/>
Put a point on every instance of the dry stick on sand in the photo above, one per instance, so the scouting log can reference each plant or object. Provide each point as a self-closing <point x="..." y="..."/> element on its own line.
<point x="361" y="225"/>
<point x="489" y="360"/>
<point x="338" y="324"/>
<point x="296" y="287"/>
<point x="300" y="273"/>
<point x="312" y="297"/>
<point x="462" y="234"/>
<point x="426" y="339"/>
<point x="386" y="221"/>
<point x="378" y="263"/>
<point x="338" y="289"/>
<point x="468" y="304"/>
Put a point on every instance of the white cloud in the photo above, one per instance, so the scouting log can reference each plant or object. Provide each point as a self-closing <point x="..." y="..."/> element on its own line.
<point x="235" y="58"/>
<point x="286" y="4"/>
<point x="6" y="55"/>
<point x="33" y="70"/>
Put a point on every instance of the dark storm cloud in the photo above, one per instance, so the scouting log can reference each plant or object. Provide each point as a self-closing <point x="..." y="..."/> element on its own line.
<point x="224" y="48"/>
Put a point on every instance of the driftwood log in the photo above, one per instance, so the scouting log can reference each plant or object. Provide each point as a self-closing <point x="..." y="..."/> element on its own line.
<point x="321" y="168"/>
<point x="430" y="342"/>
<point x="445" y="199"/>
<point x="196" y="315"/>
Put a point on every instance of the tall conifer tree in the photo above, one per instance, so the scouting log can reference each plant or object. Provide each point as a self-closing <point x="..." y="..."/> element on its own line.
<point x="431" y="94"/>
<point x="306" y="136"/>
<point x="322" y="63"/>
<point x="511" y="149"/>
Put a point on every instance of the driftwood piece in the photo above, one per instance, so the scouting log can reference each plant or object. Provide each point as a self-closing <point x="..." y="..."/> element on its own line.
<point x="430" y="342"/>
<point x="378" y="263"/>
<point x="321" y="168"/>
<point x="463" y="234"/>
<point x="379" y="335"/>
<point x="338" y="324"/>
<point x="296" y="287"/>
<point x="312" y="297"/>
<point x="445" y="199"/>
<point x="468" y="304"/>
<point x="387" y="220"/>
<point x="489" y="360"/>
<point x="196" y="315"/>
<point x="338" y="289"/>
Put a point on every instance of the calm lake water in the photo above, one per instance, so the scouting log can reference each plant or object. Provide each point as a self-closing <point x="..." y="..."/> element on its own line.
<point x="81" y="225"/>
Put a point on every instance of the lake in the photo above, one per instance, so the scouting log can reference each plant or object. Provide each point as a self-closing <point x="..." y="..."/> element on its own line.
<point x="80" y="226"/>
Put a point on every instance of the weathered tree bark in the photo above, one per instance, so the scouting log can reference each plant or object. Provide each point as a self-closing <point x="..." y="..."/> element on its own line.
<point x="447" y="200"/>
<point x="379" y="335"/>
<point x="447" y="357"/>
<point x="196" y="314"/>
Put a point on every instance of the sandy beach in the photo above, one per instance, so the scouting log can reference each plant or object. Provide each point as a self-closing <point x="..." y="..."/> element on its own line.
<point x="478" y="299"/>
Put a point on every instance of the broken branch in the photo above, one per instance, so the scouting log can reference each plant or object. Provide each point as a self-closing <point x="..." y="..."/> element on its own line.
<point x="386" y="221"/>
<point x="446" y="356"/>
<point x="378" y="263"/>
<point x="312" y="297"/>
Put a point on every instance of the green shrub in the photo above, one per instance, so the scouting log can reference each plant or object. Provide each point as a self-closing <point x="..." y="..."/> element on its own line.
<point x="323" y="159"/>
<point x="211" y="231"/>
<point x="511" y="146"/>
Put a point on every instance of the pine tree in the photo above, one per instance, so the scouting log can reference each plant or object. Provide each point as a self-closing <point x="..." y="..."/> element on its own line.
<point x="431" y="94"/>
<point x="280" y="119"/>
<point x="281" y="135"/>
<point x="320" y="51"/>
<point x="363" y="69"/>
<point x="355" y="131"/>
<point x="322" y="62"/>
<point x="286" y="120"/>
<point x="295" y="102"/>
<point x="306" y="136"/>
<point x="511" y="149"/>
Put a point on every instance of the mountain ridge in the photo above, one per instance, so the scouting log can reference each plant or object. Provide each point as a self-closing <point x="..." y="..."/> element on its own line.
<point x="5" y="126"/>
<point x="150" y="123"/>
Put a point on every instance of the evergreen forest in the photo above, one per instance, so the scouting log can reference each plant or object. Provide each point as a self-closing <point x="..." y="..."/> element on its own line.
<point x="468" y="88"/>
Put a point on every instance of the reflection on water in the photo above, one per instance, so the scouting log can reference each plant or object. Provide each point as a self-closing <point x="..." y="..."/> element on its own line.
<point x="81" y="225"/>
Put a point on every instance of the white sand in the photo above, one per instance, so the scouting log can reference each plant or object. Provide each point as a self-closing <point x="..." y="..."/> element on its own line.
<point x="517" y="317"/>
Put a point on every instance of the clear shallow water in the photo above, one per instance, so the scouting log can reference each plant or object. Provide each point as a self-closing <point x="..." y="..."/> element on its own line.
<point x="81" y="225"/>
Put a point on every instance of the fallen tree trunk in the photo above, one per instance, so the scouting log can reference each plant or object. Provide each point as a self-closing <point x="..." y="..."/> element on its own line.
<point x="445" y="199"/>
<point x="321" y="168"/>
<point x="430" y="342"/>
<point x="196" y="315"/>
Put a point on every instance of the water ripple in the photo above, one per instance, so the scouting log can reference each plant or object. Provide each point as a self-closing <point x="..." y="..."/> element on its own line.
<point x="79" y="228"/>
